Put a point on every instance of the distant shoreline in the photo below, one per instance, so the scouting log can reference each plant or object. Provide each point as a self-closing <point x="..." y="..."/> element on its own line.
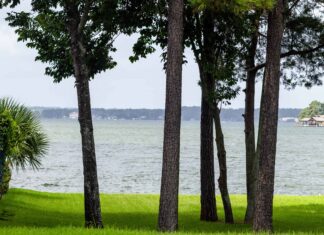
<point x="156" y="120"/>
<point x="188" y="114"/>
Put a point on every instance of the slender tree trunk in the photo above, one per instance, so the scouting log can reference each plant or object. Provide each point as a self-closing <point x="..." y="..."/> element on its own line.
<point x="2" y="165"/>
<point x="268" y="124"/>
<point x="251" y="160"/>
<point x="6" y="177"/>
<point x="91" y="187"/>
<point x="208" y="211"/>
<point x="168" y="211"/>
<point x="222" y="180"/>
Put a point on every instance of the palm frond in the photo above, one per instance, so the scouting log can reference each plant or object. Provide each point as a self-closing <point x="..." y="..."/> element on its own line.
<point x="30" y="143"/>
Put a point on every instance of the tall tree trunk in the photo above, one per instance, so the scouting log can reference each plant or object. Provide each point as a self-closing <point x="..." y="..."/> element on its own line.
<point x="251" y="160"/>
<point x="208" y="211"/>
<point x="268" y="123"/>
<point x="91" y="187"/>
<point x="222" y="180"/>
<point x="168" y="211"/>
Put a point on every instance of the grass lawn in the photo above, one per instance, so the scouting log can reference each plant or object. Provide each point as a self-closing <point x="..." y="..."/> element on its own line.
<point x="24" y="212"/>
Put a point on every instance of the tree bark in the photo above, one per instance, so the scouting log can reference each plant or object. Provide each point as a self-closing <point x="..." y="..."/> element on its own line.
<point x="2" y="165"/>
<point x="6" y="177"/>
<point x="222" y="180"/>
<point x="268" y="123"/>
<point x="251" y="160"/>
<point x="168" y="211"/>
<point x="81" y="71"/>
<point x="208" y="211"/>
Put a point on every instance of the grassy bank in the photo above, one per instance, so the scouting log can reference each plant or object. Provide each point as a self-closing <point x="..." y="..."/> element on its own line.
<point x="29" y="213"/>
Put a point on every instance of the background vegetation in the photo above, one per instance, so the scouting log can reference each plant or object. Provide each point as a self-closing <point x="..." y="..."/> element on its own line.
<point x="314" y="108"/>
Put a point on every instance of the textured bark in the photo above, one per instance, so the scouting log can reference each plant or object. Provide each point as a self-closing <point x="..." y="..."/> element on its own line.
<point x="268" y="123"/>
<point x="6" y="177"/>
<point x="251" y="160"/>
<point x="222" y="180"/>
<point x="208" y="211"/>
<point x="91" y="187"/>
<point x="2" y="165"/>
<point x="168" y="211"/>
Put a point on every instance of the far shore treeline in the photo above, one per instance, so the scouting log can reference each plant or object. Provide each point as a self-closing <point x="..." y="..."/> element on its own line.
<point x="188" y="114"/>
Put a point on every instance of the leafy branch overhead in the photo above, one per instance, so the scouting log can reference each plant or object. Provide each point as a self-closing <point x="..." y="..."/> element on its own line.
<point x="44" y="29"/>
<point x="226" y="40"/>
<point x="303" y="45"/>
<point x="232" y="5"/>
<point x="9" y="3"/>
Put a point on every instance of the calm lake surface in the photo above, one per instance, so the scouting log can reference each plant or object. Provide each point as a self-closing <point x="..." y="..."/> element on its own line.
<point x="129" y="157"/>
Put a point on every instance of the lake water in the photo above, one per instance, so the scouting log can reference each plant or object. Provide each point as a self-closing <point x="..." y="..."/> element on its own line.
<point x="129" y="157"/>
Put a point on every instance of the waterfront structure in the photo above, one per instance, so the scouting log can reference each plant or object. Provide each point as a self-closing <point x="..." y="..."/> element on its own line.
<point x="315" y="121"/>
<point x="74" y="115"/>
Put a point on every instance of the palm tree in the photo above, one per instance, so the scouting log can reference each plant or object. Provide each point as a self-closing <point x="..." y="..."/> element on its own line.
<point x="22" y="141"/>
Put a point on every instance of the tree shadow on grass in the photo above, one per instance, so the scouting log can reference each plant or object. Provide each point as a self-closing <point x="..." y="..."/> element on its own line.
<point x="288" y="219"/>
<point x="301" y="222"/>
<point x="187" y="223"/>
<point x="304" y="218"/>
<point x="19" y="213"/>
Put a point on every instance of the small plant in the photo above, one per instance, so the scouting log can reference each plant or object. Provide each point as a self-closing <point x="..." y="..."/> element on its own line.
<point x="22" y="141"/>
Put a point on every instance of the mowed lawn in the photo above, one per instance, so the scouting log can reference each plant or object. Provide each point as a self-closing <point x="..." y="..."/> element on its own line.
<point x="28" y="212"/>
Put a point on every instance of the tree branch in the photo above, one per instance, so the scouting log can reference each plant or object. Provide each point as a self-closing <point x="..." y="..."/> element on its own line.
<point x="293" y="5"/>
<point x="289" y="53"/>
<point x="261" y="34"/>
<point x="194" y="49"/>
<point x="199" y="36"/>
<point x="84" y="17"/>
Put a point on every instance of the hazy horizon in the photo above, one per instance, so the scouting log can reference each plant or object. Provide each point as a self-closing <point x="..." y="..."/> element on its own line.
<point x="226" y="107"/>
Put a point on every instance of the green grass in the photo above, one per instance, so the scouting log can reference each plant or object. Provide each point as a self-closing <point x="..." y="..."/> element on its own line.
<point x="28" y="213"/>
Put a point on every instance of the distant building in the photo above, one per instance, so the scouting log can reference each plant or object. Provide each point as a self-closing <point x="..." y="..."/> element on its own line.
<point x="313" y="121"/>
<point x="74" y="115"/>
<point x="289" y="119"/>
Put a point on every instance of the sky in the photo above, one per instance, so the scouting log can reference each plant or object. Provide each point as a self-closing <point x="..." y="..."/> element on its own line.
<point x="138" y="85"/>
